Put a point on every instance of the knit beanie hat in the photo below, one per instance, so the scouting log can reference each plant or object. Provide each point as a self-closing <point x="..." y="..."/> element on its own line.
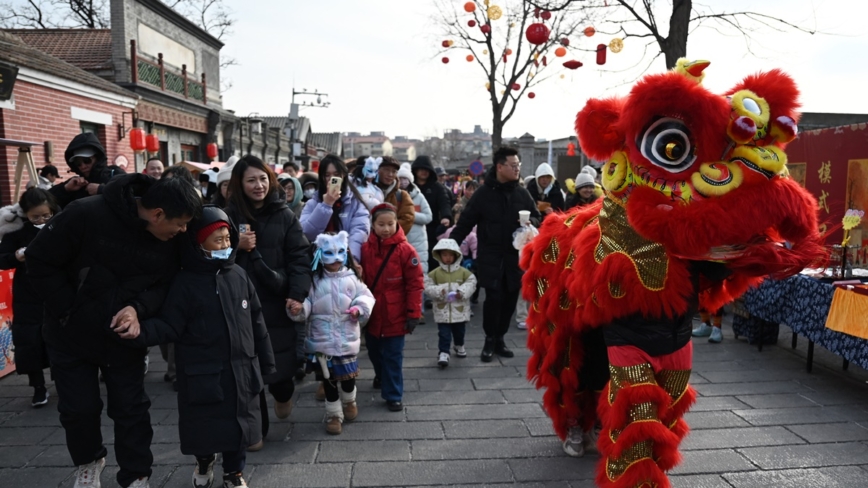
<point x="406" y="172"/>
<point x="591" y="171"/>
<point x="584" y="179"/>
<point x="206" y="231"/>
<point x="382" y="208"/>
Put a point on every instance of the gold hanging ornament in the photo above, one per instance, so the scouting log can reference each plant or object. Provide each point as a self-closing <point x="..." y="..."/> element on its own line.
<point x="494" y="12"/>
<point x="616" y="45"/>
<point x="485" y="52"/>
<point x="562" y="77"/>
<point x="486" y="3"/>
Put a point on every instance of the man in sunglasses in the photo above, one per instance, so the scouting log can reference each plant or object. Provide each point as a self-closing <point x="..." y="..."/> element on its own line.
<point x="86" y="157"/>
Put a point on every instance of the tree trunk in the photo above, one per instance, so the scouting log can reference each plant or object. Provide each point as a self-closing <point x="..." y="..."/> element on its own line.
<point x="496" y="129"/>
<point x="675" y="45"/>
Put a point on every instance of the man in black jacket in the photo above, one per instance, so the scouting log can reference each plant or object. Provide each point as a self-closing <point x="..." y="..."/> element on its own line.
<point x="493" y="209"/>
<point x="106" y="261"/>
<point x="86" y="157"/>
<point x="438" y="199"/>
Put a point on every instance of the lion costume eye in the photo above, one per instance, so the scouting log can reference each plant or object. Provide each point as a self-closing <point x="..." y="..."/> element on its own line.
<point x="666" y="143"/>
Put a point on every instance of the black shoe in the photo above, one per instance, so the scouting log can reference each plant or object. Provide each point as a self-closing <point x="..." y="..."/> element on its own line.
<point x="40" y="396"/>
<point x="175" y="385"/>
<point x="377" y="385"/>
<point x="487" y="350"/>
<point x="395" y="406"/>
<point x="501" y="350"/>
<point x="168" y="378"/>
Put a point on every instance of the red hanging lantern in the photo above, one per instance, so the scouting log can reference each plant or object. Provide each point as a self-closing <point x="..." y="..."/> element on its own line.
<point x="537" y="34"/>
<point x="516" y="86"/>
<point x="565" y="42"/>
<point x="531" y="95"/>
<point x="471" y="23"/>
<point x="560" y="52"/>
<point x="469" y="58"/>
<point x="572" y="64"/>
<point x="601" y="54"/>
<point x="469" y="7"/>
<point x="546" y="15"/>
<point x="508" y="52"/>
<point x="485" y="28"/>
<point x="590" y="31"/>
<point x="445" y="60"/>
<point x="212" y="151"/>
<point x="571" y="149"/>
<point x="152" y="143"/>
<point x="137" y="140"/>
<point x="445" y="44"/>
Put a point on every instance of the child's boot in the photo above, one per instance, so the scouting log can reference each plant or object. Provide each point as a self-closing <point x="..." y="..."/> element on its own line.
<point x="351" y="409"/>
<point x="334" y="417"/>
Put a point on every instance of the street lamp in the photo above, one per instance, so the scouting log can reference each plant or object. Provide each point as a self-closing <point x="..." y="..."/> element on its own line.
<point x="293" y="112"/>
<point x="254" y="126"/>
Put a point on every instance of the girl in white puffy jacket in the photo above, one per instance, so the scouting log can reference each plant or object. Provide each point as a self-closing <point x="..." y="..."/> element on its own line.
<point x="337" y="305"/>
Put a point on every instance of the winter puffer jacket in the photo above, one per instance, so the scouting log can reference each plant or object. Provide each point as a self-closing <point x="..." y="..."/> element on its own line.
<point x="446" y="279"/>
<point x="100" y="173"/>
<point x="399" y="291"/>
<point x="355" y="219"/>
<point x="370" y="192"/>
<point x="555" y="196"/>
<point x="493" y="210"/>
<point x="222" y="349"/>
<point x="402" y="201"/>
<point x="418" y="236"/>
<point x="330" y="330"/>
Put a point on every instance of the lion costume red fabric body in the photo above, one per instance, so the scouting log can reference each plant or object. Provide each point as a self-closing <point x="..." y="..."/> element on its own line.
<point x="698" y="207"/>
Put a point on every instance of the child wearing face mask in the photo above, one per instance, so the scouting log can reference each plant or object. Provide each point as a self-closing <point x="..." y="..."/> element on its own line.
<point x="19" y="225"/>
<point x="222" y="349"/>
<point x="336" y="307"/>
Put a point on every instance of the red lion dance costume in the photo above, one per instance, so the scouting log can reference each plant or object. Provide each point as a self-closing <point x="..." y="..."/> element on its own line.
<point x="698" y="205"/>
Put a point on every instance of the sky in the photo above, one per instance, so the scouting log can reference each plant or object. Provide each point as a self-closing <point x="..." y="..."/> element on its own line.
<point x="379" y="63"/>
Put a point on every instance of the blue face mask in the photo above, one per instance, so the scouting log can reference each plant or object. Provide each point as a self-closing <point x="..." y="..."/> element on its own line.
<point x="221" y="253"/>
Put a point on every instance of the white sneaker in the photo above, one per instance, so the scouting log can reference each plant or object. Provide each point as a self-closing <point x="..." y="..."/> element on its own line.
<point x="443" y="361"/>
<point x="87" y="475"/>
<point x="573" y="444"/>
<point x="522" y="325"/>
<point x="140" y="483"/>
<point x="460" y="351"/>
<point x="236" y="481"/>
<point x="203" y="473"/>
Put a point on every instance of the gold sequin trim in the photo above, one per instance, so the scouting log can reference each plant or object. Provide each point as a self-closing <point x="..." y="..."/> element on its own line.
<point x="542" y="285"/>
<point x="569" y="220"/>
<point x="552" y="328"/>
<point x="565" y="300"/>
<point x="550" y="254"/>
<point x="674" y="381"/>
<point x="643" y="411"/>
<point x="536" y="306"/>
<point x="635" y="453"/>
<point x="570" y="258"/>
<point x="639" y="374"/>
<point x="617" y="237"/>
<point x="616" y="290"/>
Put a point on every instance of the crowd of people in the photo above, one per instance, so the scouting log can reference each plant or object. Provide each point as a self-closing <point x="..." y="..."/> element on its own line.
<point x="249" y="281"/>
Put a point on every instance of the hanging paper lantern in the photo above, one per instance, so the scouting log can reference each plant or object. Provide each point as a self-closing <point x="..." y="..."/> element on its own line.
<point x="494" y="12"/>
<point x="572" y="64"/>
<point x="505" y="59"/>
<point x="508" y="52"/>
<point x="590" y="31"/>
<point x="560" y="52"/>
<point x="445" y="60"/>
<point x="469" y="7"/>
<point x="212" y="151"/>
<point x="485" y="28"/>
<point x="546" y="15"/>
<point x="469" y="58"/>
<point x="565" y="42"/>
<point x="562" y="76"/>
<point x="488" y="86"/>
<point x="502" y="92"/>
<point x="545" y="61"/>
<point x="485" y="52"/>
<point x="571" y="149"/>
<point x="516" y="86"/>
<point x="137" y="140"/>
<point x="601" y="54"/>
<point x="152" y="143"/>
<point x="616" y="45"/>
<point x="471" y="23"/>
<point x="531" y="95"/>
<point x="537" y="34"/>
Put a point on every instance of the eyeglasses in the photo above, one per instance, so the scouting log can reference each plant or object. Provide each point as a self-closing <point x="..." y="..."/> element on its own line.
<point x="514" y="166"/>
<point x="40" y="218"/>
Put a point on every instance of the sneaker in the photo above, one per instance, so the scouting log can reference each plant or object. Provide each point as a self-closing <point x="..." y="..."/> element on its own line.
<point x="443" y="360"/>
<point x="589" y="440"/>
<point x="147" y="366"/>
<point x="256" y="447"/>
<point x="573" y="444"/>
<point x="234" y="480"/>
<point x="522" y="325"/>
<point x="140" y="483"/>
<point x="320" y="392"/>
<point x="460" y="351"/>
<point x="395" y="406"/>
<point x="87" y="475"/>
<point x="716" y="335"/>
<point x="40" y="397"/>
<point x="333" y="426"/>
<point x="282" y="409"/>
<point x="203" y="473"/>
<point x="704" y="330"/>
<point x="487" y="350"/>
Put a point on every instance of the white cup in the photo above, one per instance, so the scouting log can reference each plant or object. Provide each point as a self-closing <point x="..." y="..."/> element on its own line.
<point x="524" y="216"/>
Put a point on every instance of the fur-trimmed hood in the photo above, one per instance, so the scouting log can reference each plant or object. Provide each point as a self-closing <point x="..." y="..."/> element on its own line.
<point x="11" y="219"/>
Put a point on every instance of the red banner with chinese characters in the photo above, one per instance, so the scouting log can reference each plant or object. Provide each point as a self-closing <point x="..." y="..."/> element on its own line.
<point x="7" y="357"/>
<point x="833" y="165"/>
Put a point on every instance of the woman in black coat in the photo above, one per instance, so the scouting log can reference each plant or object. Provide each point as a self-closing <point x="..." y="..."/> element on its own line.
<point x="20" y="224"/>
<point x="275" y="253"/>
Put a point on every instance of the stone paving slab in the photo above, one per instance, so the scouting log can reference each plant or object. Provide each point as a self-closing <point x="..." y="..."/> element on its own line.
<point x="808" y="455"/>
<point x="430" y="473"/>
<point x="843" y="477"/>
<point x="842" y="432"/>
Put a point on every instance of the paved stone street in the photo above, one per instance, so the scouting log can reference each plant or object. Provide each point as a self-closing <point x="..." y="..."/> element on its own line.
<point x="760" y="421"/>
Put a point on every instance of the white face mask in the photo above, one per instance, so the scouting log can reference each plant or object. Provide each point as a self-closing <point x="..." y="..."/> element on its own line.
<point x="39" y="226"/>
<point x="403" y="183"/>
<point x="221" y="253"/>
<point x="310" y="193"/>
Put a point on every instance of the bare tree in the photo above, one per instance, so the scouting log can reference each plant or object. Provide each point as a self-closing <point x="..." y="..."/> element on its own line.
<point x="639" y="19"/>
<point x="50" y="14"/>
<point x="511" y="64"/>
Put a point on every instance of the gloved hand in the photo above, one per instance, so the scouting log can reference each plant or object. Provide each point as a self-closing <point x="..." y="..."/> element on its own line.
<point x="411" y="325"/>
<point x="467" y="263"/>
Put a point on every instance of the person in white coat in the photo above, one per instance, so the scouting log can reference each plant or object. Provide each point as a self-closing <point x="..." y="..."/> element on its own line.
<point x="418" y="235"/>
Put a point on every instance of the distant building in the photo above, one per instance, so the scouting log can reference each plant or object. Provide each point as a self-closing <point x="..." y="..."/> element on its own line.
<point x="375" y="144"/>
<point x="404" y="149"/>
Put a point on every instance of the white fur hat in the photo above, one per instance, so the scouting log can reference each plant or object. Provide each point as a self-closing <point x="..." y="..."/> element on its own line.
<point x="225" y="173"/>
<point x="584" y="179"/>
<point x="544" y="170"/>
<point x="406" y="172"/>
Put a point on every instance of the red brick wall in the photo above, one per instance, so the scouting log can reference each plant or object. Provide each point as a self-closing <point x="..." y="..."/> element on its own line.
<point x="43" y="114"/>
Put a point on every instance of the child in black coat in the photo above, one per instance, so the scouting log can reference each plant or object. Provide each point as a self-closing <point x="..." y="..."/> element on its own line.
<point x="222" y="350"/>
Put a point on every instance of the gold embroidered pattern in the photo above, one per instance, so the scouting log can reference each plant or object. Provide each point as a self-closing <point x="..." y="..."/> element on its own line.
<point x="616" y="236"/>
<point x="569" y="221"/>
<point x="542" y="285"/>
<point x="565" y="300"/>
<point x="552" y="328"/>
<point x="637" y="452"/>
<point x="639" y="374"/>
<point x="616" y="291"/>
<point x="570" y="258"/>
<point x="550" y="254"/>
<point x="674" y="381"/>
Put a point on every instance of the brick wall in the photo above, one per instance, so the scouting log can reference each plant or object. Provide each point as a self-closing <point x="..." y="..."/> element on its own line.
<point x="43" y="114"/>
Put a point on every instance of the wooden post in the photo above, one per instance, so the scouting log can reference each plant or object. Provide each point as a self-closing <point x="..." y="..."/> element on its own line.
<point x="134" y="62"/>
<point x="162" y="72"/>
<point x="204" y="90"/>
<point x="184" y="75"/>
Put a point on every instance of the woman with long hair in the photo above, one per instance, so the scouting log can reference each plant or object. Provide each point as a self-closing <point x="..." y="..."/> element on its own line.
<point x="276" y="255"/>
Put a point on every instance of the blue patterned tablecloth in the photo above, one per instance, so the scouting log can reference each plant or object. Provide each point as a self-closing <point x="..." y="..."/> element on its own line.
<point x="802" y="303"/>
